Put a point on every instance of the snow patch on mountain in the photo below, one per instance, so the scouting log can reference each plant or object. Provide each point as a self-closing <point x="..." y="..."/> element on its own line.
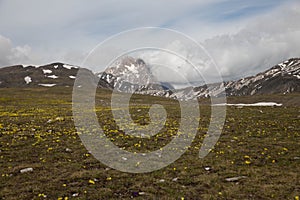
<point x="132" y="68"/>
<point x="297" y="76"/>
<point x="47" y="84"/>
<point x="272" y="104"/>
<point x="52" y="76"/>
<point x="69" y="66"/>
<point x="47" y="71"/>
<point x="27" y="79"/>
<point x="29" y="65"/>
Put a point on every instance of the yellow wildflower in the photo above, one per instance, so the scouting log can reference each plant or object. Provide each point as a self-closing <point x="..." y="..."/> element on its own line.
<point x="247" y="162"/>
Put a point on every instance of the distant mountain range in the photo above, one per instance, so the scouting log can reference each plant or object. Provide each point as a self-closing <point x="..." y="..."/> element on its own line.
<point x="133" y="75"/>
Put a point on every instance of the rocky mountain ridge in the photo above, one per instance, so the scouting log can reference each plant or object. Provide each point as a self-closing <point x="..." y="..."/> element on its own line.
<point x="133" y="75"/>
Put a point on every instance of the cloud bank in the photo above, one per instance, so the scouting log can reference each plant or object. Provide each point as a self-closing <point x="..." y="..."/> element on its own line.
<point x="243" y="37"/>
<point x="262" y="43"/>
<point x="12" y="55"/>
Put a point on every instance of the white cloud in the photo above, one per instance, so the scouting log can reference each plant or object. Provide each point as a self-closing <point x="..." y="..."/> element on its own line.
<point x="5" y="48"/>
<point x="264" y="42"/>
<point x="10" y="55"/>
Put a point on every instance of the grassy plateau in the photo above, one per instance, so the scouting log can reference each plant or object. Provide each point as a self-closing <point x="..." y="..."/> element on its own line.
<point x="259" y="145"/>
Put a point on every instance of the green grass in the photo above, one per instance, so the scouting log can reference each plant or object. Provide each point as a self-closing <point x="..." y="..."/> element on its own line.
<point x="258" y="142"/>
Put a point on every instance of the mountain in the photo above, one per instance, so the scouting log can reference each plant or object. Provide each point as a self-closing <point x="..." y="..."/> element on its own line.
<point x="51" y="75"/>
<point x="133" y="75"/>
<point x="55" y="74"/>
<point x="282" y="78"/>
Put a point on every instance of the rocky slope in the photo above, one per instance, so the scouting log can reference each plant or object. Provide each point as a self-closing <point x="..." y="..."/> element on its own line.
<point x="51" y="75"/>
<point x="282" y="78"/>
<point x="133" y="75"/>
<point x="55" y="74"/>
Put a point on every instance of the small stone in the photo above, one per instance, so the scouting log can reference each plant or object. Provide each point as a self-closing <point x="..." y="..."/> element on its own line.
<point x="68" y="150"/>
<point x="207" y="168"/>
<point x="29" y="169"/>
<point x="142" y="193"/>
<point x="175" y="179"/>
<point x="124" y="158"/>
<point x="296" y="158"/>
<point x="234" y="179"/>
<point x="75" y="194"/>
<point x="161" y="180"/>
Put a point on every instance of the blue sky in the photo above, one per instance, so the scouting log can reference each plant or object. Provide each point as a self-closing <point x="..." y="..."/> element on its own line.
<point x="40" y="31"/>
<point x="237" y="9"/>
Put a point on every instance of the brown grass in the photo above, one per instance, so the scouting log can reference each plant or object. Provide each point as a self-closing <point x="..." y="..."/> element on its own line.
<point x="266" y="137"/>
